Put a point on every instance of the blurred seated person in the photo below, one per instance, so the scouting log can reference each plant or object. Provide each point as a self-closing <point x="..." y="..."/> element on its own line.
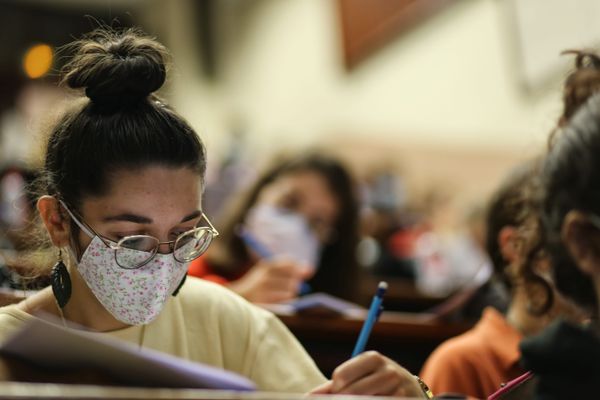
<point x="17" y="225"/>
<point x="447" y="256"/>
<point x="17" y="206"/>
<point x="477" y="362"/>
<point x="485" y="289"/>
<point x="564" y="359"/>
<point x="297" y="224"/>
<point x="383" y="246"/>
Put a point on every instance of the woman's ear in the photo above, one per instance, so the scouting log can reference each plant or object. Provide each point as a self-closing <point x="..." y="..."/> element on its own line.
<point x="575" y="234"/>
<point x="508" y="244"/>
<point x="57" y="226"/>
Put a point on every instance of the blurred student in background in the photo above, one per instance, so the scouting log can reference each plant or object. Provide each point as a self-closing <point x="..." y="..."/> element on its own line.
<point x="447" y="257"/>
<point x="477" y="362"/>
<point x="566" y="358"/>
<point x="297" y="223"/>
<point x="17" y="206"/>
<point x="17" y="226"/>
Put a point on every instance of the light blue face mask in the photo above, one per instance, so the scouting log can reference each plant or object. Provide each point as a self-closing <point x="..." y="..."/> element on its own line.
<point x="283" y="233"/>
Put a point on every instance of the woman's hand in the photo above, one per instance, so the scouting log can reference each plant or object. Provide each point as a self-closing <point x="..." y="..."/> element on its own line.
<point x="271" y="281"/>
<point x="372" y="374"/>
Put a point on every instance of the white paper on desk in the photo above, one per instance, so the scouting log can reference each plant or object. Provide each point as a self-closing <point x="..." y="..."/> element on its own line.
<point x="52" y="346"/>
<point x="328" y="302"/>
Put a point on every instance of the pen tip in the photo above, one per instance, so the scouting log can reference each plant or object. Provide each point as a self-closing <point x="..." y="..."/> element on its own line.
<point x="382" y="285"/>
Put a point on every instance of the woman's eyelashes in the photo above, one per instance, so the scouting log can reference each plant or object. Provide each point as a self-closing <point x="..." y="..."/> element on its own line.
<point x="120" y="235"/>
<point x="173" y="235"/>
<point x="180" y="231"/>
<point x="117" y="232"/>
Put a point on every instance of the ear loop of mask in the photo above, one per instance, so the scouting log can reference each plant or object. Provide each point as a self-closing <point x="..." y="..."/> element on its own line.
<point x="75" y="251"/>
<point x="176" y="292"/>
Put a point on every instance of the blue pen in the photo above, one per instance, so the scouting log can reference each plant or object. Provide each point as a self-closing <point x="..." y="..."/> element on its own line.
<point x="263" y="252"/>
<point x="260" y="249"/>
<point x="372" y="316"/>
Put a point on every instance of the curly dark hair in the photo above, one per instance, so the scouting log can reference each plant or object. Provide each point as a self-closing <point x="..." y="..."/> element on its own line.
<point x="512" y="204"/>
<point x="571" y="181"/>
<point x="558" y="172"/>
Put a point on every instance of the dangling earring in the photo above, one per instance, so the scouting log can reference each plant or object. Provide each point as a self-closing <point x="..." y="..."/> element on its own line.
<point x="180" y="285"/>
<point x="61" y="282"/>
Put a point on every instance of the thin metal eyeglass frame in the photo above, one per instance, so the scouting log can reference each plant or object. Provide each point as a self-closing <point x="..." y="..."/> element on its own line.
<point x="107" y="242"/>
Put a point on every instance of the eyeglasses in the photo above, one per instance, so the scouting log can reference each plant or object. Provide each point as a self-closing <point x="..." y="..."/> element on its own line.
<point x="132" y="252"/>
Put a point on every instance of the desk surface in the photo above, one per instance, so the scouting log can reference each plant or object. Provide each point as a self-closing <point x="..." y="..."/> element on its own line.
<point x="402" y="293"/>
<point x="18" y="390"/>
<point x="407" y="338"/>
<point x="394" y="326"/>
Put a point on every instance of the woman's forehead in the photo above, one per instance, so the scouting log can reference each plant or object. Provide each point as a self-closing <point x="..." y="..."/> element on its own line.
<point x="312" y="187"/>
<point x="154" y="191"/>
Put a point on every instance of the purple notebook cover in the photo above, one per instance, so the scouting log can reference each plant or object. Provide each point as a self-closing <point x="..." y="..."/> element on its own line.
<point x="52" y="346"/>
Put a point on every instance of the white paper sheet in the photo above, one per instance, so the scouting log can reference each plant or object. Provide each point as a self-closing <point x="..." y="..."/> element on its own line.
<point x="52" y="346"/>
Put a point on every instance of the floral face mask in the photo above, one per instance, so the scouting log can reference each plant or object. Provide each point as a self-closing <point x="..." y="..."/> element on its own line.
<point x="133" y="296"/>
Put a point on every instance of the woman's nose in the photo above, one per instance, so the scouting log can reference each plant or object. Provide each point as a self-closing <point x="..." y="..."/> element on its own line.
<point x="164" y="248"/>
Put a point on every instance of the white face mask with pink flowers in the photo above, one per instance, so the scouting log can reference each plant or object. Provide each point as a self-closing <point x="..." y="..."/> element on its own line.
<point x="133" y="296"/>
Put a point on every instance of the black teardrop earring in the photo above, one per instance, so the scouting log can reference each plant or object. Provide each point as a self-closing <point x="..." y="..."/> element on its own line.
<point x="61" y="282"/>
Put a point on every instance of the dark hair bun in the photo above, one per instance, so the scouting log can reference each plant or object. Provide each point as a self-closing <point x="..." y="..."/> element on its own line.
<point x="117" y="68"/>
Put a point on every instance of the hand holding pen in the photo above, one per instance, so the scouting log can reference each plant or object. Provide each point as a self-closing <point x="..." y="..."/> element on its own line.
<point x="370" y="373"/>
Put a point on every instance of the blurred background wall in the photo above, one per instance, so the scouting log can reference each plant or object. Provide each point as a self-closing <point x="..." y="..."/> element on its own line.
<point x="444" y="97"/>
<point x="451" y="80"/>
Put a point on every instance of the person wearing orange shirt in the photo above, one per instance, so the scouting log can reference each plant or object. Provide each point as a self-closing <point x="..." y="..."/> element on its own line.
<point x="477" y="362"/>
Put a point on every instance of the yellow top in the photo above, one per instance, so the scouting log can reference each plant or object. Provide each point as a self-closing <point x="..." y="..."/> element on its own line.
<point x="209" y="324"/>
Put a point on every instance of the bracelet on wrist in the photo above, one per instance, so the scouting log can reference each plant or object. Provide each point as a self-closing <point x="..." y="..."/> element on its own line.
<point x="426" y="391"/>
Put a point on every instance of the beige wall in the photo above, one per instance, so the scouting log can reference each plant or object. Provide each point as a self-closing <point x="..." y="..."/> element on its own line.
<point x="450" y="84"/>
<point x="452" y="79"/>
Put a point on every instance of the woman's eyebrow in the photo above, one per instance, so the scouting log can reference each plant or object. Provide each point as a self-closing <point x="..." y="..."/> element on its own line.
<point x="138" y="219"/>
<point x="192" y="216"/>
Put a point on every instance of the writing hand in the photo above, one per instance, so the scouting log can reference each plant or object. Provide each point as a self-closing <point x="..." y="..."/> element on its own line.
<point x="373" y="374"/>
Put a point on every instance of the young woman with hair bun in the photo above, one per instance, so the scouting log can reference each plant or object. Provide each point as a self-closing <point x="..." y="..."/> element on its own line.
<point x="120" y="201"/>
